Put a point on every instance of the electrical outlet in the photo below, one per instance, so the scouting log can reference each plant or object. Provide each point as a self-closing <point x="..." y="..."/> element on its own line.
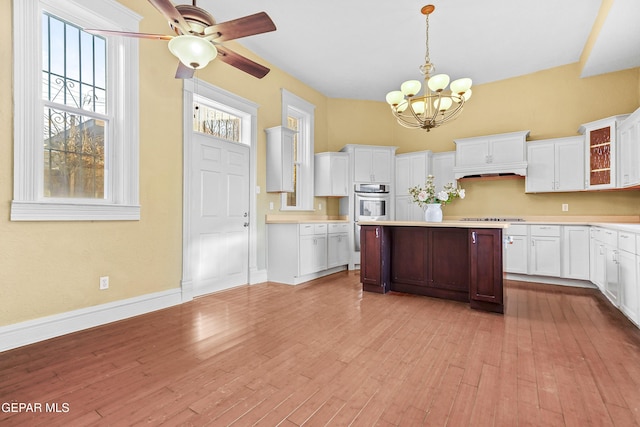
<point x="104" y="282"/>
<point x="319" y="206"/>
<point x="565" y="207"/>
<point x="270" y="206"/>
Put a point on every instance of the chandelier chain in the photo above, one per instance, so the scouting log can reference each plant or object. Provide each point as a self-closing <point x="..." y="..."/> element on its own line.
<point x="427" y="59"/>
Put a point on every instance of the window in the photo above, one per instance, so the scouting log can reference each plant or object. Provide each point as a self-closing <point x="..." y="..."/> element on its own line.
<point x="298" y="114"/>
<point x="217" y="120"/>
<point x="75" y="112"/>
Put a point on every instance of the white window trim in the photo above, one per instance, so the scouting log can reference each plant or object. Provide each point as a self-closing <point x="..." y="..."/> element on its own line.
<point x="304" y="188"/>
<point x="123" y="155"/>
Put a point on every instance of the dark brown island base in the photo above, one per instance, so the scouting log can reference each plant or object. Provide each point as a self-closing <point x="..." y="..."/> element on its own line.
<point x="452" y="260"/>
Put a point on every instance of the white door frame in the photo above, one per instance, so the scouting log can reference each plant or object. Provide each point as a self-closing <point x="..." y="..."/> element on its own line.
<point x="206" y="90"/>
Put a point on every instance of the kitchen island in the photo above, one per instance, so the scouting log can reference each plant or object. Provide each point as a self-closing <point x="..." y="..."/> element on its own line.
<point x="461" y="261"/>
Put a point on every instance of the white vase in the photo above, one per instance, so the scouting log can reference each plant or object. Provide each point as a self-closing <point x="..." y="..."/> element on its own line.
<point x="433" y="213"/>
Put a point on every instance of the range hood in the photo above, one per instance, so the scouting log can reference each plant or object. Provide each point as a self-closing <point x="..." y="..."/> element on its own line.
<point x="493" y="155"/>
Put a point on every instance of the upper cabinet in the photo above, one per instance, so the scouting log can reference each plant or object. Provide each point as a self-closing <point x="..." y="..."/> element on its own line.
<point x="555" y="165"/>
<point x="331" y="174"/>
<point x="372" y="164"/>
<point x="442" y="165"/>
<point x="600" y="152"/>
<point x="629" y="152"/>
<point x="411" y="170"/>
<point x="492" y="154"/>
<point x="280" y="154"/>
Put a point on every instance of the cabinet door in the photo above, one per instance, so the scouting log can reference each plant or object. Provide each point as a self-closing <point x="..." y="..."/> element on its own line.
<point x="442" y="168"/>
<point x="319" y="253"/>
<point x="540" y="168"/>
<point x="599" y="266"/>
<point x="362" y="161"/>
<point x="611" y="285"/>
<point x="629" y="295"/>
<point x="629" y="151"/>
<point x="339" y="175"/>
<point x="472" y="153"/>
<point x="406" y="210"/>
<point x="517" y="255"/>
<point x="485" y="276"/>
<point x="569" y="165"/>
<point x="545" y="256"/>
<point x="403" y="176"/>
<point x="507" y="149"/>
<point x="575" y="252"/>
<point x="280" y="159"/>
<point x="374" y="259"/>
<point x="381" y="166"/>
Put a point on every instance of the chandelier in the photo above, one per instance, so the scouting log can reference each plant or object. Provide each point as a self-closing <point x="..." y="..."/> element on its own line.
<point x="436" y="106"/>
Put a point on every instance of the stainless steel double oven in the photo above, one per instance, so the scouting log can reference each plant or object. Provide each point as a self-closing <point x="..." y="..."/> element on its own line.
<point x="372" y="203"/>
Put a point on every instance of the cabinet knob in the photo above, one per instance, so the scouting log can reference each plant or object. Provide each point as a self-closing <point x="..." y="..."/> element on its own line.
<point x="473" y="237"/>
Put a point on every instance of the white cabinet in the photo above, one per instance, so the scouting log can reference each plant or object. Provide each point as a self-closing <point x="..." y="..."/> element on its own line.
<point x="331" y="175"/>
<point x="280" y="152"/>
<point x="545" y="250"/>
<point x="338" y="245"/>
<point x="411" y="170"/>
<point x="517" y="249"/>
<point x="372" y="164"/>
<point x="502" y="153"/>
<point x="629" y="152"/>
<point x="297" y="253"/>
<point x="442" y="165"/>
<point x="313" y="248"/>
<point x="628" y="276"/>
<point x="555" y="165"/>
<point x="575" y="252"/>
<point x="601" y="152"/>
<point x="605" y="259"/>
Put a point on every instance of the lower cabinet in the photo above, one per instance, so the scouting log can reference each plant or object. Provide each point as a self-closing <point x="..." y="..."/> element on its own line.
<point x="297" y="253"/>
<point x="575" y="252"/>
<point x="628" y="279"/>
<point x="517" y="249"/>
<point x="545" y="250"/>
<point x="338" y="245"/>
<point x="453" y="263"/>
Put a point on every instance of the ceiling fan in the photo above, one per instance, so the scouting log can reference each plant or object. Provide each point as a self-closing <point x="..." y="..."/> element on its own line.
<point x="198" y="37"/>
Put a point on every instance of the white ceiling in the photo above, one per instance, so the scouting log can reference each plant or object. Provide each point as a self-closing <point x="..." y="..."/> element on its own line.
<point x="361" y="49"/>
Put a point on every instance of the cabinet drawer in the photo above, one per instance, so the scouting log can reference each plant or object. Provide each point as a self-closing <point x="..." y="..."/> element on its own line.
<point x="545" y="230"/>
<point x="307" y="229"/>
<point x="627" y="242"/>
<point x="517" y="230"/>
<point x="319" y="228"/>
<point x="608" y="237"/>
<point x="338" y="228"/>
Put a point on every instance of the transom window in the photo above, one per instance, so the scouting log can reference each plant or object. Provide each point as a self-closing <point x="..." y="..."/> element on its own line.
<point x="213" y="120"/>
<point x="74" y="96"/>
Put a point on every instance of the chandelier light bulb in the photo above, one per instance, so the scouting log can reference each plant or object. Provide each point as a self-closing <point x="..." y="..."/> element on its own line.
<point x="438" y="83"/>
<point x="395" y="97"/>
<point x="442" y="104"/>
<point x="418" y="107"/>
<point x="460" y="86"/>
<point x="465" y="96"/>
<point x="410" y="87"/>
<point x="402" y="106"/>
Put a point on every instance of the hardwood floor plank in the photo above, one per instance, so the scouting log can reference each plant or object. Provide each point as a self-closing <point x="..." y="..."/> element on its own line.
<point x="326" y="353"/>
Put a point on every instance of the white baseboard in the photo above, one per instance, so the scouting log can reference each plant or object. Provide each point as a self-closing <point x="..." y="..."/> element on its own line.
<point x="257" y="276"/>
<point x="551" y="280"/>
<point x="31" y="331"/>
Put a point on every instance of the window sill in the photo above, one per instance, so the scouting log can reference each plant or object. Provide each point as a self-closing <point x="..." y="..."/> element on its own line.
<point x="51" y="211"/>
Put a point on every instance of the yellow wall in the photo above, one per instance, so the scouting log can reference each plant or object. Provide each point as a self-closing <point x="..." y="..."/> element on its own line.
<point x="53" y="267"/>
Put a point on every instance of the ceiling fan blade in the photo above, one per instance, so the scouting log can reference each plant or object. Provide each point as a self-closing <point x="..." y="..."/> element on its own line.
<point x="242" y="63"/>
<point x="184" y="72"/>
<point x="242" y="27"/>
<point x="172" y="14"/>
<point x="128" y="34"/>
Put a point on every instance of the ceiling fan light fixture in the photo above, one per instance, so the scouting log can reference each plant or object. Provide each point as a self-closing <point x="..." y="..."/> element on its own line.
<point x="193" y="51"/>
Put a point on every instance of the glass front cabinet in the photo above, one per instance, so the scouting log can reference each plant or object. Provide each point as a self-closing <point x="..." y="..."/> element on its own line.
<point x="600" y="152"/>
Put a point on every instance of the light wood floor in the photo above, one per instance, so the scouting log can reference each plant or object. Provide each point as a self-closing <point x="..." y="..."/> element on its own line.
<point x="324" y="353"/>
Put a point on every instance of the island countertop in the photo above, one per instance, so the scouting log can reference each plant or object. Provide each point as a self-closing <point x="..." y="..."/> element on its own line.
<point x="448" y="224"/>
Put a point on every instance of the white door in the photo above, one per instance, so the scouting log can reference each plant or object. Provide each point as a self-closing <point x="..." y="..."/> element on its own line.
<point x="219" y="214"/>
